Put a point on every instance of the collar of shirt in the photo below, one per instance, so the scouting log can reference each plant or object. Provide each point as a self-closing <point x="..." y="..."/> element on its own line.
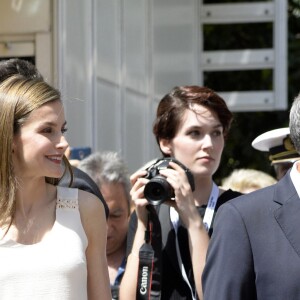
<point x="120" y="273"/>
<point x="295" y="177"/>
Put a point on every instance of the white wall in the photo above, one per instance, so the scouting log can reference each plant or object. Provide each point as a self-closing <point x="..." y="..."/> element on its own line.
<point x="75" y="67"/>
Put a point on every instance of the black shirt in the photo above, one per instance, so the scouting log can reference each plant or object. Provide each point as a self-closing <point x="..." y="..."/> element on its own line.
<point x="167" y="273"/>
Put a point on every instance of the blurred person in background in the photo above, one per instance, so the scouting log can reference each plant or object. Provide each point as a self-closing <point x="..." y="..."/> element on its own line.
<point x="247" y="180"/>
<point x="110" y="173"/>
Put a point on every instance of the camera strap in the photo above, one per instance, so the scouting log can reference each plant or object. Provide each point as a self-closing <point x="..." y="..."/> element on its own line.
<point x="146" y="261"/>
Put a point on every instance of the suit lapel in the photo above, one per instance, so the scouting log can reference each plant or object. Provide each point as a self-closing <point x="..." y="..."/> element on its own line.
<point x="288" y="214"/>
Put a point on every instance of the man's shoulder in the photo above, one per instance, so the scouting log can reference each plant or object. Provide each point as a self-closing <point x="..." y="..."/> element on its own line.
<point x="255" y="200"/>
<point x="227" y="196"/>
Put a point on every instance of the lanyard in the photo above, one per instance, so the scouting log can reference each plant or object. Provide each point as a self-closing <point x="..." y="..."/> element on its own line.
<point x="209" y="212"/>
<point x="207" y="220"/>
<point x="211" y="205"/>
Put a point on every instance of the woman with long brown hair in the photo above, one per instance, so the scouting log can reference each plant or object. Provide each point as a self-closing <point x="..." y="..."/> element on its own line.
<point x="52" y="239"/>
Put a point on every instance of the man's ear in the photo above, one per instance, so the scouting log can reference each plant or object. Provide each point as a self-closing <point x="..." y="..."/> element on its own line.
<point x="165" y="146"/>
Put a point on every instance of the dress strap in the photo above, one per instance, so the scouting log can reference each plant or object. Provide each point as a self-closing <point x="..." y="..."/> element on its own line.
<point x="67" y="198"/>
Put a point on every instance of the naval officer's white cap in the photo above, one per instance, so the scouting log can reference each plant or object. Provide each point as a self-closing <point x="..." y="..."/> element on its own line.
<point x="279" y="145"/>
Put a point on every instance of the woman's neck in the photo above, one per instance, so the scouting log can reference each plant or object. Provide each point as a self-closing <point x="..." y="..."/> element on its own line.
<point x="35" y="213"/>
<point x="203" y="191"/>
<point x="33" y="194"/>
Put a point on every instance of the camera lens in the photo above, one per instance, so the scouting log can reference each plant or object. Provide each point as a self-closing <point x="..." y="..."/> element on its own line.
<point x="158" y="190"/>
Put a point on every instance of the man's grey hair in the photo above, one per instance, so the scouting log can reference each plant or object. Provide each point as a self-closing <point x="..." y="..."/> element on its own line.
<point x="107" y="167"/>
<point x="295" y="123"/>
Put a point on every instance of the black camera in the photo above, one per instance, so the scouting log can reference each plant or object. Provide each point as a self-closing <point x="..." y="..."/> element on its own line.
<point x="158" y="190"/>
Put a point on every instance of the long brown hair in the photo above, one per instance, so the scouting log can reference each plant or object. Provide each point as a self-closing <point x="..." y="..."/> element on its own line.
<point x="18" y="98"/>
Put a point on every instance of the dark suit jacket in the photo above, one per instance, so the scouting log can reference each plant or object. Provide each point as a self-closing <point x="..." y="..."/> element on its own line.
<point x="254" y="252"/>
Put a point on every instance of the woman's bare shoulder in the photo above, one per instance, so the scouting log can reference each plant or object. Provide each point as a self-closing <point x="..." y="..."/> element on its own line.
<point x="88" y="200"/>
<point x="91" y="209"/>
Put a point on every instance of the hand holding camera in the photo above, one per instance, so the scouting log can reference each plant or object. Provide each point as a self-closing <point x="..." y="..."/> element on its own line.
<point x="158" y="189"/>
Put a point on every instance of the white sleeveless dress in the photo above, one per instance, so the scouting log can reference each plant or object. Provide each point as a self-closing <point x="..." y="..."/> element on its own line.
<point x="54" y="268"/>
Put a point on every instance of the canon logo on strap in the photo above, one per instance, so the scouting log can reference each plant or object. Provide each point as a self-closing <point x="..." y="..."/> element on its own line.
<point x="144" y="281"/>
